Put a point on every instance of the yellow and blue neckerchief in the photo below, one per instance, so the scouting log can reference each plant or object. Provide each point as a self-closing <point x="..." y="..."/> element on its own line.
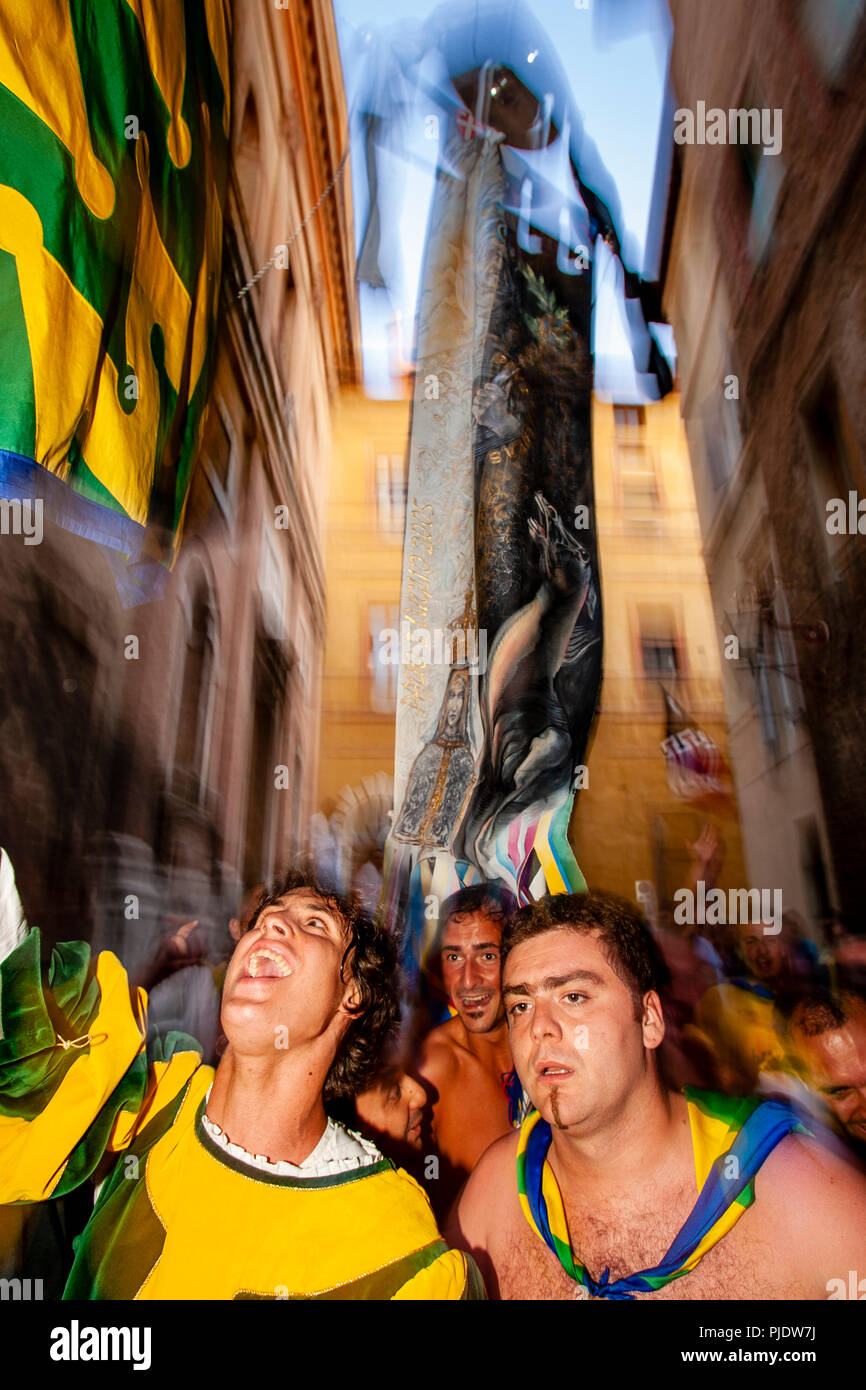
<point x="745" y="982"/>
<point x="731" y="1137"/>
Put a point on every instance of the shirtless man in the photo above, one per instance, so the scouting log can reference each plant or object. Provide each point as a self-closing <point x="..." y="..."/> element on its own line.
<point x="620" y="1180"/>
<point x="828" y="1035"/>
<point x="466" y="1061"/>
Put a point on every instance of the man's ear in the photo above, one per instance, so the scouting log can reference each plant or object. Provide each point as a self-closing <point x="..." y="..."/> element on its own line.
<point x="652" y="1020"/>
<point x="352" y="997"/>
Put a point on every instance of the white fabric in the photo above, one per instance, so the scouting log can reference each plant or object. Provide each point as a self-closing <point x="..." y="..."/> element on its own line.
<point x="338" y="1151"/>
<point x="13" y="927"/>
<point x="461" y="270"/>
<point x="554" y="190"/>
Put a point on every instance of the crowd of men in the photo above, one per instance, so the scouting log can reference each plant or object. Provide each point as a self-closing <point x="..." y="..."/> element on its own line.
<point x="611" y="1110"/>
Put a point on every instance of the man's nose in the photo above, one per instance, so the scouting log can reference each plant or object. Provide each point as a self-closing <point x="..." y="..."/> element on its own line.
<point x="275" y="926"/>
<point x="544" y="1023"/>
<point x="471" y="974"/>
<point x="417" y="1096"/>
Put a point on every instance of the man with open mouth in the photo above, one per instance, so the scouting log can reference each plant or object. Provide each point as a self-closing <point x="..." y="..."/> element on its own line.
<point x="617" y="1187"/>
<point x="218" y="1184"/>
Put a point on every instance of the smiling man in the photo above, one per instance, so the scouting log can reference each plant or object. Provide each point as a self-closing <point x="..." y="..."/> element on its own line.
<point x="827" y="1033"/>
<point x="466" y="1062"/>
<point x="226" y="1184"/>
<point x="617" y="1187"/>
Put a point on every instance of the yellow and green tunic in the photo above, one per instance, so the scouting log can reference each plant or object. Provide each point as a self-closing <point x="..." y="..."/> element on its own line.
<point x="731" y="1138"/>
<point x="82" y="1089"/>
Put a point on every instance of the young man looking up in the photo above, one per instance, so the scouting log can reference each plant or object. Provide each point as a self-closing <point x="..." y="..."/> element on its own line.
<point x="226" y="1184"/>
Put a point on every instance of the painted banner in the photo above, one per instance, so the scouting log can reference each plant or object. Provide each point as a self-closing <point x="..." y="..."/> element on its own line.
<point x="500" y="565"/>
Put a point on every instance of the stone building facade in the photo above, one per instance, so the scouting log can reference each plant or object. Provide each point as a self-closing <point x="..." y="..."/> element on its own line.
<point x="766" y="289"/>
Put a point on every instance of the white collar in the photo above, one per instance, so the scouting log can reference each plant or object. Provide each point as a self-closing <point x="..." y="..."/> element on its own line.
<point x="339" y="1150"/>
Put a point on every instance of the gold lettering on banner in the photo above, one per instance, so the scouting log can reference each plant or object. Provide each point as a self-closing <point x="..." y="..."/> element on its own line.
<point x="413" y="684"/>
<point x="414" y="688"/>
<point x="417" y="567"/>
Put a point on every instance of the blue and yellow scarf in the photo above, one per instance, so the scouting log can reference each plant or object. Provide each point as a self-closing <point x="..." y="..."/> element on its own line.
<point x="731" y="1137"/>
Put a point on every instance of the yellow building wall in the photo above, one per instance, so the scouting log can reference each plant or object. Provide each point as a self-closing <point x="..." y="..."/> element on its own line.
<point x="362" y="570"/>
<point x="651" y="562"/>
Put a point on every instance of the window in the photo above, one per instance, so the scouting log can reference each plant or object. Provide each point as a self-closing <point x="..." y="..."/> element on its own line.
<point x="773" y="661"/>
<point x="659" y="658"/>
<point x="391" y="493"/>
<point x="659" y="647"/>
<point x="829" y="434"/>
<point x="628" y="416"/>
<point x="830" y="27"/>
<point x="191" y="740"/>
<point x="269" y="725"/>
<point x="639" y="489"/>
<point x="273" y="583"/>
<point x="761" y="172"/>
<point x="720" y="420"/>
<point x="383" y="655"/>
<point x="831" y="448"/>
<point x="719" y="460"/>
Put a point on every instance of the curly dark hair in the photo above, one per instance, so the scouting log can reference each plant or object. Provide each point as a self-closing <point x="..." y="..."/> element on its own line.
<point x="620" y="926"/>
<point x="372" y="959"/>
<point x="819" y="1011"/>
<point x="493" y="899"/>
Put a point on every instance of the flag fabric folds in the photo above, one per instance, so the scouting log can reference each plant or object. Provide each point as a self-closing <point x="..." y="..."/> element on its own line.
<point x="696" y="768"/>
<point x="114" y="136"/>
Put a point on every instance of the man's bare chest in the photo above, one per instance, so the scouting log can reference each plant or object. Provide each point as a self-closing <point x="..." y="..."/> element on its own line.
<point x="473" y="1112"/>
<point x="744" y="1264"/>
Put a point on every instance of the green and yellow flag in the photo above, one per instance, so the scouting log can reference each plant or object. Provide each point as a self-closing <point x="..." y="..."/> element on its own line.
<point x="114" y="136"/>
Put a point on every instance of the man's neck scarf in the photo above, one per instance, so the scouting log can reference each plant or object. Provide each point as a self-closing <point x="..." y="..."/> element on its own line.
<point x="731" y="1137"/>
<point x="751" y="986"/>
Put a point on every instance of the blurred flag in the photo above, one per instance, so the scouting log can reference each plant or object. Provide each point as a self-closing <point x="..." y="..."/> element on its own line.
<point x="114" y="125"/>
<point x="696" y="768"/>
